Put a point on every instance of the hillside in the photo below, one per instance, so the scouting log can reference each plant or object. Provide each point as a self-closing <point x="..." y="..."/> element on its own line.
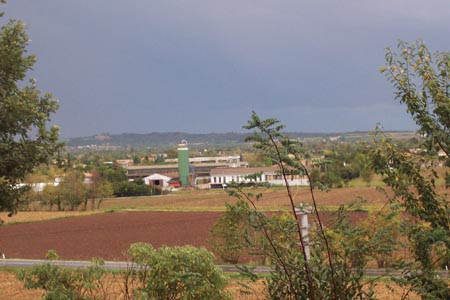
<point x="171" y="139"/>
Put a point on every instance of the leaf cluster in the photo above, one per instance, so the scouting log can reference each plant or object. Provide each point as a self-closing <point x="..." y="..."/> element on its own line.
<point x="177" y="273"/>
<point x="334" y="269"/>
<point x="25" y="140"/>
<point x="421" y="81"/>
<point x="61" y="283"/>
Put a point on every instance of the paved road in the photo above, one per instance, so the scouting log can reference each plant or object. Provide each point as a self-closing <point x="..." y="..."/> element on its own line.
<point x="121" y="265"/>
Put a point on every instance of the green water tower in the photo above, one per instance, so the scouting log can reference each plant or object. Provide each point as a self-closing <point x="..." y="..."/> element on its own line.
<point x="183" y="163"/>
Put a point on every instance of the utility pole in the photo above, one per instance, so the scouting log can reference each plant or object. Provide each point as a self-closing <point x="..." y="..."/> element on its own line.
<point x="303" y="212"/>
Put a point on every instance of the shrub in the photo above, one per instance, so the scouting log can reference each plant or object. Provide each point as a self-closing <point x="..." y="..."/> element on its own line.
<point x="227" y="234"/>
<point x="166" y="273"/>
<point x="61" y="283"/>
<point x="129" y="189"/>
<point x="324" y="273"/>
<point x="178" y="273"/>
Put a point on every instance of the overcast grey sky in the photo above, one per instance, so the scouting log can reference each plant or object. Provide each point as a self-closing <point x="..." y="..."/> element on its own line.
<point x="203" y="65"/>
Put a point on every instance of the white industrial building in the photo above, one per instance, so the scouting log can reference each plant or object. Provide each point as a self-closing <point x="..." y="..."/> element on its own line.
<point x="157" y="180"/>
<point x="221" y="176"/>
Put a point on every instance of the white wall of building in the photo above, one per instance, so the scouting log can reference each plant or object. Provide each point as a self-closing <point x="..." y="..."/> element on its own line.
<point x="224" y="179"/>
<point x="164" y="180"/>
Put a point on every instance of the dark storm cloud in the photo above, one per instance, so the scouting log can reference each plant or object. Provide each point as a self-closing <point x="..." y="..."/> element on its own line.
<point x="202" y="66"/>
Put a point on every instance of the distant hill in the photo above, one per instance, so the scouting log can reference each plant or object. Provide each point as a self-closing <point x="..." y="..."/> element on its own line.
<point x="157" y="139"/>
<point x="171" y="139"/>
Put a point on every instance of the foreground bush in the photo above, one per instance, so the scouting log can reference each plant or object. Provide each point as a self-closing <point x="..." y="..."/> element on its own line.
<point x="178" y="273"/>
<point x="186" y="273"/>
<point x="61" y="283"/>
<point x="227" y="236"/>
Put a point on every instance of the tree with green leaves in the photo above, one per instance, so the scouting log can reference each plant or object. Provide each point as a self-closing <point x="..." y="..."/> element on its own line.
<point x="421" y="81"/>
<point x="113" y="173"/>
<point x="98" y="189"/>
<point x="325" y="273"/>
<point x="72" y="191"/>
<point x="362" y="163"/>
<point x="25" y="140"/>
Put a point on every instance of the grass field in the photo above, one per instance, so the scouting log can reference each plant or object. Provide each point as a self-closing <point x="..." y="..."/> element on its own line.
<point x="36" y="216"/>
<point x="274" y="199"/>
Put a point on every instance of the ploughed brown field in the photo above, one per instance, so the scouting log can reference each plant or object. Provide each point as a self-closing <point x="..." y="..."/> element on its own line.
<point x="106" y="235"/>
<point x="109" y="235"/>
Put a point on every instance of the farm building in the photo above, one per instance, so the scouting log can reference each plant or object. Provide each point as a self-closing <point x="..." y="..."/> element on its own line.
<point x="157" y="180"/>
<point x="221" y="176"/>
<point x="134" y="172"/>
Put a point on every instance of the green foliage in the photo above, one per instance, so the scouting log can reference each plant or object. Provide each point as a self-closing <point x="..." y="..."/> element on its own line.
<point x="128" y="189"/>
<point x="71" y="192"/>
<point x="351" y="248"/>
<point x="50" y="197"/>
<point x="334" y="270"/>
<point x="98" y="189"/>
<point x="25" y="141"/>
<point x="421" y="82"/>
<point x="333" y="177"/>
<point x="165" y="273"/>
<point x="315" y="178"/>
<point x="362" y="163"/>
<point x="226" y="235"/>
<point x="383" y="232"/>
<point x="61" y="283"/>
<point x="113" y="174"/>
<point x="232" y="235"/>
<point x="51" y="255"/>
<point x="177" y="273"/>
<point x="415" y="192"/>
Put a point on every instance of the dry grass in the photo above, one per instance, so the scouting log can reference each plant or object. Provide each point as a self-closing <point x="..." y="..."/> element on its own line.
<point x="11" y="288"/>
<point x="35" y="216"/>
<point x="383" y="291"/>
<point x="273" y="199"/>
